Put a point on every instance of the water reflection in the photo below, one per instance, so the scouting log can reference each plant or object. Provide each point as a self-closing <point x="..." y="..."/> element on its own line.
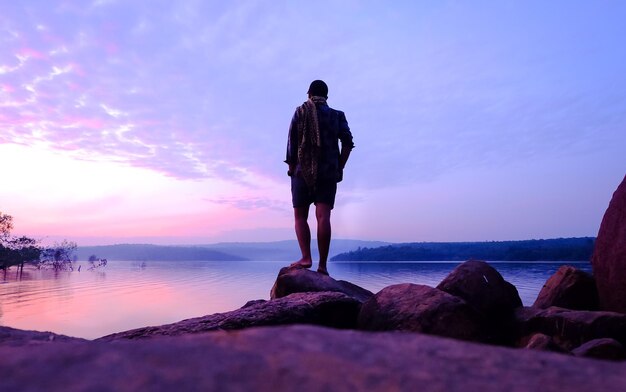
<point x="129" y="295"/>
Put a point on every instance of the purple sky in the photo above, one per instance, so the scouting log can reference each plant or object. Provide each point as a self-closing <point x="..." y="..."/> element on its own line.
<point x="166" y="121"/>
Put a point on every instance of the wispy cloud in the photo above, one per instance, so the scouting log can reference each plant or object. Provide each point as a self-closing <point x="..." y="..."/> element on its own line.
<point x="195" y="97"/>
<point x="253" y="203"/>
<point x="203" y="89"/>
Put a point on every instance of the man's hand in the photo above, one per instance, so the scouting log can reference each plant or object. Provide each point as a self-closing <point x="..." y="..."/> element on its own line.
<point x="343" y="157"/>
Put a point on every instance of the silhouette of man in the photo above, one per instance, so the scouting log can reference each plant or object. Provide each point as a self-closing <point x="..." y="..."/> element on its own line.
<point x="316" y="166"/>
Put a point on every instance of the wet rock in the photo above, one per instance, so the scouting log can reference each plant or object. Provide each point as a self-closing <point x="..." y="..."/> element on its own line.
<point x="609" y="255"/>
<point x="299" y="280"/>
<point x="419" y="308"/>
<point x="17" y="337"/>
<point x="568" y="288"/>
<point x="305" y="358"/>
<point x="571" y="328"/>
<point x="330" y="309"/>
<point x="606" y="348"/>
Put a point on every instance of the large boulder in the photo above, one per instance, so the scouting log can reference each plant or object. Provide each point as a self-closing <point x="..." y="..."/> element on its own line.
<point x="568" y="288"/>
<point x="609" y="255"/>
<point x="302" y="358"/>
<point x="420" y="308"/>
<point x="300" y="280"/>
<point x="329" y="309"/>
<point x="485" y="290"/>
<point x="571" y="328"/>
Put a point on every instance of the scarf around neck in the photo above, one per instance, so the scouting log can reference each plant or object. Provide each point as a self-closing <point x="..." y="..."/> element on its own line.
<point x="309" y="145"/>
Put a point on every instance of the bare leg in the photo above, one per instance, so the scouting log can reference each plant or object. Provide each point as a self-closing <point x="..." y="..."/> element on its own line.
<point x="303" y="233"/>
<point x="322" y="213"/>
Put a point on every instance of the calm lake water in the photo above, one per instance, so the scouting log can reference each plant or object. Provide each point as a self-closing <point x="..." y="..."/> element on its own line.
<point x="126" y="295"/>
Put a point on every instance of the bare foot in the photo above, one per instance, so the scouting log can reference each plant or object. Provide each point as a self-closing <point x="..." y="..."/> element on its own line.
<point x="302" y="263"/>
<point x="322" y="270"/>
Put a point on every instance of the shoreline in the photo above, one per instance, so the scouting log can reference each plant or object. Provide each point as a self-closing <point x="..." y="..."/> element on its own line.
<point x="148" y="312"/>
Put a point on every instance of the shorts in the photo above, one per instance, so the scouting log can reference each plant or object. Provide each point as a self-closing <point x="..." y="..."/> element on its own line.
<point x="302" y="196"/>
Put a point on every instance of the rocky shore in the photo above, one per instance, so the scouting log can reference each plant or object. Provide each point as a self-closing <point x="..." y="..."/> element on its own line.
<point x="470" y="333"/>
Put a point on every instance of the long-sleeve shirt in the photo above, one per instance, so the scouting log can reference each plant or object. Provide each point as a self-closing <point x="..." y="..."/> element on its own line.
<point x="333" y="128"/>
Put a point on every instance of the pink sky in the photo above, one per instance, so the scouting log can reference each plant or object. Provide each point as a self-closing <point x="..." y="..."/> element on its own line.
<point x="167" y="123"/>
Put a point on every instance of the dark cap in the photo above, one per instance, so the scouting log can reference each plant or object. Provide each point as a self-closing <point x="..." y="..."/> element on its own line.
<point x="318" y="89"/>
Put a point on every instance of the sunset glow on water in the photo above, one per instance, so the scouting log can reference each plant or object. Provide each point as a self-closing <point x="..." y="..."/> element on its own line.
<point x="127" y="295"/>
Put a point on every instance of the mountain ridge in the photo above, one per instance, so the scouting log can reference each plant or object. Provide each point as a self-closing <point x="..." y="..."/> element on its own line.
<point x="556" y="249"/>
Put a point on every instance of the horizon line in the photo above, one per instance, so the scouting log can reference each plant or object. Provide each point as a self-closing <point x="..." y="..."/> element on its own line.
<point x="337" y="239"/>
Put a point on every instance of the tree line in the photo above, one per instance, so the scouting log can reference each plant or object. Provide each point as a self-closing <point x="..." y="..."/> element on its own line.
<point x="559" y="249"/>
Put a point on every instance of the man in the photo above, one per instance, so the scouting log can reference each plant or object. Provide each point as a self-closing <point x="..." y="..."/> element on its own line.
<point x="315" y="167"/>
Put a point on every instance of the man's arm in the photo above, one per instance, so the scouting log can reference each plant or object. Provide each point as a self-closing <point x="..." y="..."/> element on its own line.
<point x="292" y="145"/>
<point x="346" y="140"/>
<point x="344" y="155"/>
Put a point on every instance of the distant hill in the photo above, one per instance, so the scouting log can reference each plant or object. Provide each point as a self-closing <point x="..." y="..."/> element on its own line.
<point x="141" y="252"/>
<point x="287" y="250"/>
<point x="559" y="249"/>
<point x="227" y="251"/>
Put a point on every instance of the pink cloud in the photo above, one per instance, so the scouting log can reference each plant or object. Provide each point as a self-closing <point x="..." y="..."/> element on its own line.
<point x="111" y="48"/>
<point x="83" y="122"/>
<point x="29" y="52"/>
<point x="78" y="69"/>
<point x="16" y="120"/>
<point x="7" y="87"/>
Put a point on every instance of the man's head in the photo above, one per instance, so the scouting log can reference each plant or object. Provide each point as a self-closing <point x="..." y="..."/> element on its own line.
<point x="318" y="89"/>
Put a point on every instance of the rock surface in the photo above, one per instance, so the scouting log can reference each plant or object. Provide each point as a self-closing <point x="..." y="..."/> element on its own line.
<point x="571" y="328"/>
<point x="303" y="358"/>
<point x="539" y="341"/>
<point x="18" y="337"/>
<point x="297" y="280"/>
<point x="601" y="349"/>
<point x="483" y="288"/>
<point x="609" y="255"/>
<point x="568" y="288"/>
<point x="330" y="309"/>
<point x="420" y="308"/>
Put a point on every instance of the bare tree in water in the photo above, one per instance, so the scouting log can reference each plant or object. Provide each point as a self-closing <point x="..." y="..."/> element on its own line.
<point x="59" y="256"/>
<point x="96" y="262"/>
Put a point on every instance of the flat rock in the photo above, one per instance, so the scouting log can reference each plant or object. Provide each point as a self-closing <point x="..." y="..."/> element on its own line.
<point x="571" y="328"/>
<point x="300" y="280"/>
<point x="18" y="337"/>
<point x="609" y="254"/>
<point x="419" y="308"/>
<point x="568" y="288"/>
<point x="303" y="358"/>
<point x="330" y="309"/>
